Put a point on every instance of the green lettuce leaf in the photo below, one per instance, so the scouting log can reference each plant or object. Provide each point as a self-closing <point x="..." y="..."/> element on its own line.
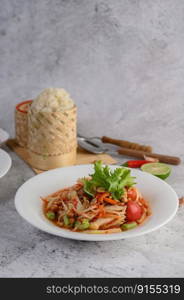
<point x="112" y="181"/>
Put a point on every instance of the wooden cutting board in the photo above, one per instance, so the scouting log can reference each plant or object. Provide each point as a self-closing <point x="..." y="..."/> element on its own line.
<point x="83" y="157"/>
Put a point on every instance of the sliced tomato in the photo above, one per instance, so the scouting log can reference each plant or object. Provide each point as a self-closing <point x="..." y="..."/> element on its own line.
<point x="134" y="211"/>
<point x="132" y="193"/>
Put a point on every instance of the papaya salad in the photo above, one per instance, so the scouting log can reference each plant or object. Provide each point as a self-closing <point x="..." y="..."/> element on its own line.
<point x="105" y="202"/>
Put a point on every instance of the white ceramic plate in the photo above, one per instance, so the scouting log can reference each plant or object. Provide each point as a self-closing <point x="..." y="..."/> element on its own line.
<point x="162" y="198"/>
<point x="5" y="162"/>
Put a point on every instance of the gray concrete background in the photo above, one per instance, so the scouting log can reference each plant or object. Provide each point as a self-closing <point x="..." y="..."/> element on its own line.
<point x="123" y="64"/>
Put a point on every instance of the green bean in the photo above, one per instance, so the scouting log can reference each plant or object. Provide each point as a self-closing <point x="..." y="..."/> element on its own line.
<point x="66" y="220"/>
<point x="82" y="225"/>
<point x="128" y="226"/>
<point x="51" y="215"/>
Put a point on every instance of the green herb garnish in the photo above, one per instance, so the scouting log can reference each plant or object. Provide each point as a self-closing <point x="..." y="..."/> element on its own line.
<point x="112" y="181"/>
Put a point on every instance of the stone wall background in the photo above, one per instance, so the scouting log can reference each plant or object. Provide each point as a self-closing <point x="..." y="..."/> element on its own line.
<point x="121" y="60"/>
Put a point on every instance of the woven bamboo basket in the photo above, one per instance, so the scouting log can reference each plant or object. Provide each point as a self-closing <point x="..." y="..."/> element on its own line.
<point x="21" y="122"/>
<point x="52" y="138"/>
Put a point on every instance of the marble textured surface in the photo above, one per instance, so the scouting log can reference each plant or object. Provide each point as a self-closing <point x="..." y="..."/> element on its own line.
<point x="123" y="63"/>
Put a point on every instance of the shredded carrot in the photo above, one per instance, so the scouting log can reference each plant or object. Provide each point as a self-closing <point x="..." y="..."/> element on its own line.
<point x="100" y="197"/>
<point x="143" y="217"/>
<point x="143" y="202"/>
<point x="101" y="211"/>
<point x="107" y="215"/>
<point x="78" y="186"/>
<point x="44" y="199"/>
<point x="105" y="197"/>
<point x="72" y="220"/>
<point x="110" y="200"/>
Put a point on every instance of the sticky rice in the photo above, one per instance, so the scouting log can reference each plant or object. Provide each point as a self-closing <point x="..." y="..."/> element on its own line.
<point x="52" y="100"/>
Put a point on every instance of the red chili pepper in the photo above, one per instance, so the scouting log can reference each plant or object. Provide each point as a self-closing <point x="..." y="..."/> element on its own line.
<point x="135" y="163"/>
